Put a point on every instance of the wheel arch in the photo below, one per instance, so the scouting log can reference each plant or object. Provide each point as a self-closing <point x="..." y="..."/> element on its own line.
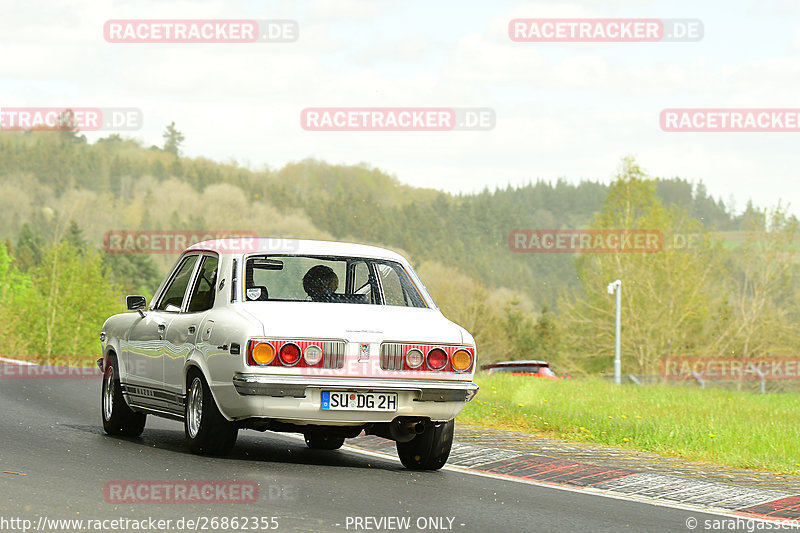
<point x="196" y="364"/>
<point x="111" y="352"/>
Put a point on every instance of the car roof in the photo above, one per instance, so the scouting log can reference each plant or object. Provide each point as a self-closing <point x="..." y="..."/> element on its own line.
<point x="295" y="247"/>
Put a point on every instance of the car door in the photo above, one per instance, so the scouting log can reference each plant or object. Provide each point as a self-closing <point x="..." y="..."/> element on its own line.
<point x="185" y="329"/>
<point x="145" y="353"/>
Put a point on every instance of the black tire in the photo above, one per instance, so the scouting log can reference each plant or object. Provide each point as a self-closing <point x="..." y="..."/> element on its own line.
<point x="207" y="431"/>
<point x="430" y="449"/>
<point x="318" y="440"/>
<point x="118" y="417"/>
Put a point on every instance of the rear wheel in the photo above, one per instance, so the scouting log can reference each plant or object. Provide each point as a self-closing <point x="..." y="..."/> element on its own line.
<point x="118" y="417"/>
<point x="430" y="449"/>
<point x="207" y="431"/>
<point x="317" y="440"/>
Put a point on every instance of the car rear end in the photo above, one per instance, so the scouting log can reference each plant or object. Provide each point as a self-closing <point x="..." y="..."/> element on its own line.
<point x="372" y="350"/>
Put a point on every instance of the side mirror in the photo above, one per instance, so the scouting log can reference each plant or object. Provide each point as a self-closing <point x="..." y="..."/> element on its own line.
<point x="136" y="303"/>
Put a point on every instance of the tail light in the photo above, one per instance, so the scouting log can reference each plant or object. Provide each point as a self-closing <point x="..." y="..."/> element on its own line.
<point x="290" y="354"/>
<point x="414" y="358"/>
<point x="461" y="360"/>
<point x="312" y="355"/>
<point x="305" y="353"/>
<point x="426" y="357"/>
<point x="437" y="359"/>
<point x="260" y="353"/>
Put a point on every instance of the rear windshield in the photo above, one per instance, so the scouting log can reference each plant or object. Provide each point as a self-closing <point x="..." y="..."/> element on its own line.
<point x="351" y="280"/>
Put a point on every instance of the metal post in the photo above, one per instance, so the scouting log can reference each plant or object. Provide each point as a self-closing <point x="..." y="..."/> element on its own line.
<point x="699" y="379"/>
<point x="616" y="287"/>
<point x="761" y="375"/>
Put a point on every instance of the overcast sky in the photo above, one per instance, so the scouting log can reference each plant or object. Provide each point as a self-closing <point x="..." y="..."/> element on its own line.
<point x="563" y="110"/>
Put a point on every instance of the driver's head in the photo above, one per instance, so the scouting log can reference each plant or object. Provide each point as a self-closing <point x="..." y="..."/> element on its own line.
<point x="320" y="280"/>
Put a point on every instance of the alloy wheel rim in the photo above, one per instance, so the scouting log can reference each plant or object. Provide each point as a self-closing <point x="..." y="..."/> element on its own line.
<point x="195" y="407"/>
<point x="108" y="394"/>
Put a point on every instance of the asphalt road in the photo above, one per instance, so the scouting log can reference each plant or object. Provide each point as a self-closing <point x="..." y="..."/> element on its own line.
<point x="50" y="431"/>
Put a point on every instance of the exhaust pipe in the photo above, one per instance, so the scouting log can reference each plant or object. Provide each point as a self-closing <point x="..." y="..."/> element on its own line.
<point x="405" y="430"/>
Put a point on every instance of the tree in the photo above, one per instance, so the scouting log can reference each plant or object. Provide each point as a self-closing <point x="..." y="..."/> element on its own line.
<point x="546" y="337"/>
<point x="135" y="274"/>
<point x="159" y="170"/>
<point x="173" y="139"/>
<point x="112" y="140"/>
<point x="666" y="295"/>
<point x="519" y="332"/>
<point x="68" y="127"/>
<point x="70" y="298"/>
<point x="30" y="245"/>
<point x="761" y="288"/>
<point x="14" y="286"/>
<point x="75" y="236"/>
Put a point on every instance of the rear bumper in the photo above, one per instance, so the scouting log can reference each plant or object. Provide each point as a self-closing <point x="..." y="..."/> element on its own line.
<point x="302" y="386"/>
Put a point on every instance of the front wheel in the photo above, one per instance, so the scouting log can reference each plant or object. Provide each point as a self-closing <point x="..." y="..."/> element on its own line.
<point x="118" y="417"/>
<point x="207" y="431"/>
<point x="430" y="449"/>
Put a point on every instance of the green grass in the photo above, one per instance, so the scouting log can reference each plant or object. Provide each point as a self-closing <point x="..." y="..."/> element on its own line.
<point x="715" y="426"/>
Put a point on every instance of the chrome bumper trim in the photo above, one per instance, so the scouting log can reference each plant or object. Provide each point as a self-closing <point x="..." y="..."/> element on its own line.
<point x="296" y="387"/>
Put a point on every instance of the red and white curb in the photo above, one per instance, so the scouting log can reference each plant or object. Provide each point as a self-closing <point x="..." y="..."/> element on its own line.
<point x="619" y="482"/>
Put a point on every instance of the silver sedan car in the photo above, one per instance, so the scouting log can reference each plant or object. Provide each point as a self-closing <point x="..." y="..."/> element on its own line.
<point x="321" y="338"/>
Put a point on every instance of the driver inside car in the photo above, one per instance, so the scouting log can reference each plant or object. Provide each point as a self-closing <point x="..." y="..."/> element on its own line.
<point x="320" y="283"/>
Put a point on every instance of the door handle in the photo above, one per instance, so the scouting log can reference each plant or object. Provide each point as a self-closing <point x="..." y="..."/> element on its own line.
<point x="162" y="328"/>
<point x="192" y="329"/>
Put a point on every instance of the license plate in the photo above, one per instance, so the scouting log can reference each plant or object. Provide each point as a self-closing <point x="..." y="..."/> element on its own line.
<point x="359" y="401"/>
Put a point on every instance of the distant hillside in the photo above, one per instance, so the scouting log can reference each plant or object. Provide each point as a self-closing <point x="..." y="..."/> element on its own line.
<point x="48" y="179"/>
<point x="732" y="290"/>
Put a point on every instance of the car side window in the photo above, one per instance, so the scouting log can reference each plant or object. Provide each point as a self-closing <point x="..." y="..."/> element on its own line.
<point x="173" y="294"/>
<point x="202" y="298"/>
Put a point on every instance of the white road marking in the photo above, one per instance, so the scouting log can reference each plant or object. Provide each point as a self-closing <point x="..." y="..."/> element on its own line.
<point x="16" y="361"/>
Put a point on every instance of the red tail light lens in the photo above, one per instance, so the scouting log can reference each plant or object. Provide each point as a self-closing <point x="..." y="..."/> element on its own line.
<point x="437" y="359"/>
<point x="290" y="354"/>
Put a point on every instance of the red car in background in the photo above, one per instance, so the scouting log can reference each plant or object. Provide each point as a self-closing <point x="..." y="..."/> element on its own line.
<point x="537" y="369"/>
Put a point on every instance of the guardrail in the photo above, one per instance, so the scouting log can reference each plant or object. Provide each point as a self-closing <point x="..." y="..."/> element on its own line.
<point x="761" y="385"/>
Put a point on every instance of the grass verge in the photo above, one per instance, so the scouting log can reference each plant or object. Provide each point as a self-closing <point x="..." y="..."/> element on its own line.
<point x="716" y="426"/>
